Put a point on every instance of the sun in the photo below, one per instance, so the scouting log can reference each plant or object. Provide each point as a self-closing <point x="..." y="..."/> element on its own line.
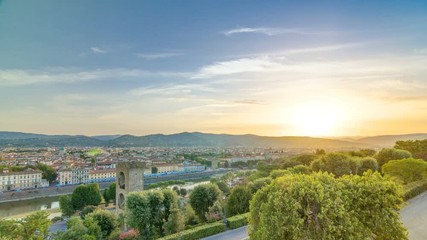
<point x="319" y="118"/>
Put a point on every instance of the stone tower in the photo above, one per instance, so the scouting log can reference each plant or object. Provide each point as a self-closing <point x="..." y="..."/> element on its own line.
<point x="129" y="178"/>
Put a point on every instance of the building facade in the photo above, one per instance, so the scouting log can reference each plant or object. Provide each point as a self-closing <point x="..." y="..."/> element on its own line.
<point x="103" y="175"/>
<point x="73" y="176"/>
<point x="20" y="180"/>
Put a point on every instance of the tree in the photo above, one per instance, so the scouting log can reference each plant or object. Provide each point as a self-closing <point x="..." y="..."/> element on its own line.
<point x="306" y="159"/>
<point x="406" y="170"/>
<point x="85" y="195"/>
<point x="319" y="206"/>
<point x="202" y="197"/>
<point x="223" y="187"/>
<point x="154" y="170"/>
<point x="34" y="226"/>
<point x="48" y="173"/>
<point x="387" y="154"/>
<point x="176" y="189"/>
<point x="215" y="211"/>
<point x="189" y="215"/>
<point x="77" y="229"/>
<point x="238" y="201"/>
<point x="112" y="192"/>
<point x="183" y="192"/>
<point x="106" y="196"/>
<point x="367" y="163"/>
<point x="148" y="211"/>
<point x="86" y="210"/>
<point x="104" y="219"/>
<point x="66" y="205"/>
<point x="417" y="148"/>
<point x="337" y="163"/>
<point x="175" y="222"/>
<point x="257" y="184"/>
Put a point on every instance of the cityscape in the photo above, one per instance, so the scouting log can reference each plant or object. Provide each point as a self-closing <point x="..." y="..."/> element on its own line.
<point x="213" y="120"/>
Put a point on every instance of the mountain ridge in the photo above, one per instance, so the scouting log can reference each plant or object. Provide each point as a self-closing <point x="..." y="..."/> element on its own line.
<point x="197" y="139"/>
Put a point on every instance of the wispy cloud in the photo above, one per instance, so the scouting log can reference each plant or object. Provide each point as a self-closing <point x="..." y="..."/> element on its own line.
<point x="272" y="31"/>
<point x="257" y="64"/>
<point x="159" y="55"/>
<point x="97" y="50"/>
<point x="16" y="77"/>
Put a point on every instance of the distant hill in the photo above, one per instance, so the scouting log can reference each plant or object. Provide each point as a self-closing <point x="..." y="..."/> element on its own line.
<point x="196" y="139"/>
<point x="390" y="140"/>
<point x="106" y="137"/>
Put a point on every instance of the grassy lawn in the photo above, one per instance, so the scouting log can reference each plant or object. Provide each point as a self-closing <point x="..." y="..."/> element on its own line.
<point x="94" y="152"/>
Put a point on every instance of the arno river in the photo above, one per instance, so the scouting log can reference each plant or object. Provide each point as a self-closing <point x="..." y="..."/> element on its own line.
<point x="8" y="209"/>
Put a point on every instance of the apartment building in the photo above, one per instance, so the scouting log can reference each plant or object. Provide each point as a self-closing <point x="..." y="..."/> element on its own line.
<point x="73" y="176"/>
<point x="102" y="175"/>
<point x="20" y="180"/>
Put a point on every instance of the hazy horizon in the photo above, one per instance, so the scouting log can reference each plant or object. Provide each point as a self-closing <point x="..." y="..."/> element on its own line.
<point x="294" y="68"/>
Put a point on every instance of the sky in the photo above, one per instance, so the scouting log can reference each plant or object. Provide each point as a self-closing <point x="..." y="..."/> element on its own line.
<point x="275" y="68"/>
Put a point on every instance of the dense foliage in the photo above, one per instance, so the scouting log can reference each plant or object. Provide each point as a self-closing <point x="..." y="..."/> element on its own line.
<point x="387" y="154"/>
<point x="149" y="211"/>
<point x="406" y="170"/>
<point x="238" y="201"/>
<point x="34" y="226"/>
<point x="202" y="197"/>
<point x="319" y="206"/>
<point x="336" y="163"/>
<point x="85" y="195"/>
<point x="418" y="148"/>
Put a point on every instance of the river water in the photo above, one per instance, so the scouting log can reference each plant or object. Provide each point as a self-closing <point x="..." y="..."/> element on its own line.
<point x="9" y="209"/>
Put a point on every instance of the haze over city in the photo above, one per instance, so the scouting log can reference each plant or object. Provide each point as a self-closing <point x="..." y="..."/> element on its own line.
<point x="319" y="68"/>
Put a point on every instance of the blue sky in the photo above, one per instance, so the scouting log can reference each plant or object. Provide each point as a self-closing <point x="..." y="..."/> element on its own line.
<point x="263" y="67"/>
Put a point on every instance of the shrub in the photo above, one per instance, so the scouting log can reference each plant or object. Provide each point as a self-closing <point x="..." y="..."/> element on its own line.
<point x="197" y="232"/>
<point x="413" y="189"/>
<point x="407" y="170"/>
<point x="238" y="221"/>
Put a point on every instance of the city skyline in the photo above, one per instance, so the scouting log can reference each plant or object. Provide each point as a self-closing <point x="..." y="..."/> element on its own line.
<point x="354" y="68"/>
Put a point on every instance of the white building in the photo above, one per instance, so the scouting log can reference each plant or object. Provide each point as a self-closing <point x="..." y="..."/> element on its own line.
<point x="73" y="176"/>
<point x="20" y="180"/>
<point x="102" y="175"/>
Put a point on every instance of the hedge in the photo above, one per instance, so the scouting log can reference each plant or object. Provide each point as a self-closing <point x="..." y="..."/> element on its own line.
<point x="238" y="221"/>
<point x="197" y="232"/>
<point x="413" y="189"/>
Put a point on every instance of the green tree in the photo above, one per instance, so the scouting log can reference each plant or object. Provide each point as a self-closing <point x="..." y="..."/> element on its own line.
<point x="148" y="211"/>
<point x="306" y="159"/>
<point x="48" y="173"/>
<point x="337" y="163"/>
<point x="406" y="170"/>
<point x="319" y="206"/>
<point x="202" y="197"/>
<point x="106" y="196"/>
<point x="367" y="163"/>
<point x="175" y="222"/>
<point x="189" y="215"/>
<point x="66" y="205"/>
<point x="387" y="154"/>
<point x="223" y="187"/>
<point x="112" y="192"/>
<point x="257" y="184"/>
<point x="85" y="195"/>
<point x="34" y="226"/>
<point x="154" y="170"/>
<point x="86" y="210"/>
<point x="238" y="201"/>
<point x="183" y="192"/>
<point x="104" y="219"/>
<point x="418" y="148"/>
